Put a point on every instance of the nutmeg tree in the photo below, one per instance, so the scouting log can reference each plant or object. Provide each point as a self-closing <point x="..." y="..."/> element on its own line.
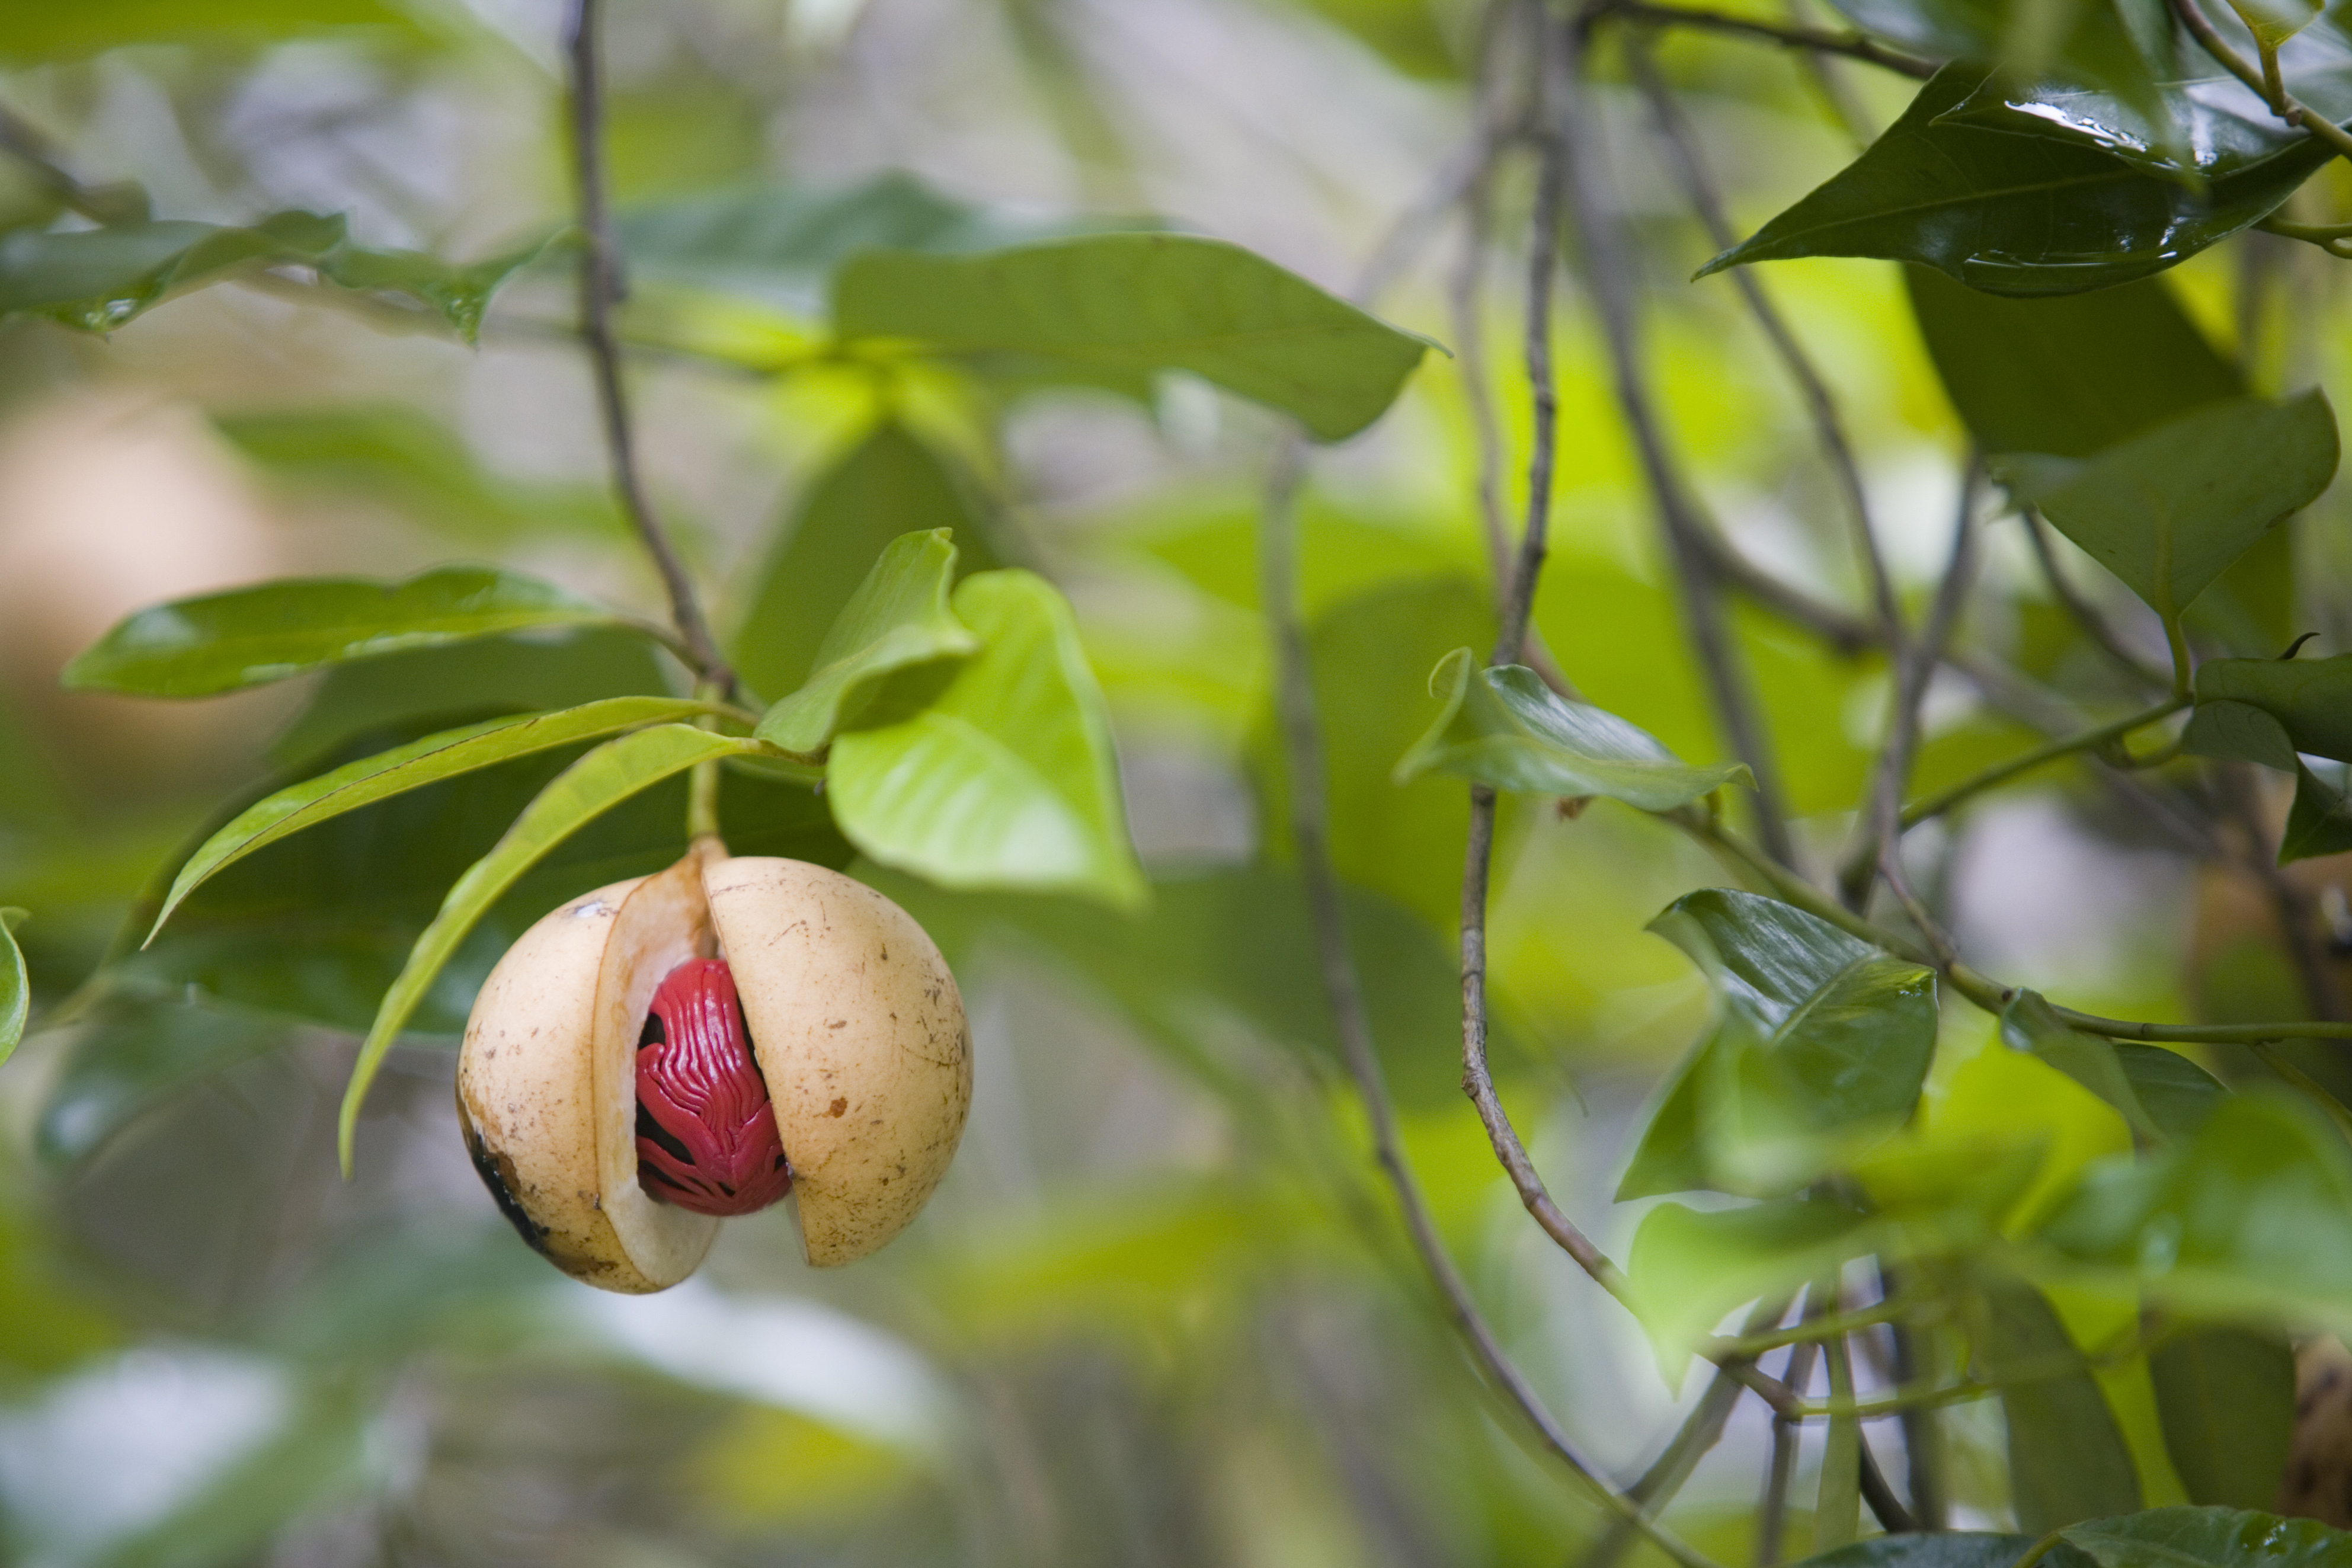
<point x="1540" y="559"/>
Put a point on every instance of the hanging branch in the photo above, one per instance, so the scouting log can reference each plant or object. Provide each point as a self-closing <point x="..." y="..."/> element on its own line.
<point x="600" y="290"/>
<point x="1687" y="534"/>
<point x="1829" y="430"/>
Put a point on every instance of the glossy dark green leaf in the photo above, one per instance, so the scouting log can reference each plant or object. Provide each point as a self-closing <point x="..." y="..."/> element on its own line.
<point x="413" y="766"/>
<point x="1690" y="1270"/>
<point x="1954" y="1549"/>
<point x="1131" y="305"/>
<point x="2169" y="510"/>
<point x="2310" y="699"/>
<point x="2226" y="1397"/>
<point x="1507" y="728"/>
<point x="2028" y="1024"/>
<point x="2320" y="821"/>
<point x="998" y="772"/>
<point x="2069" y="375"/>
<point x="2017" y="212"/>
<point x="1819" y="1048"/>
<point x="66" y="32"/>
<point x="2067" y="1457"/>
<point x="2249" y="1221"/>
<point x="783" y="242"/>
<point x="15" y="989"/>
<point x="2210" y="1538"/>
<point x="250" y="636"/>
<point x="599" y="780"/>
<point x="135" y="1050"/>
<point x="898" y="616"/>
<point x="532" y="672"/>
<point x="889" y="484"/>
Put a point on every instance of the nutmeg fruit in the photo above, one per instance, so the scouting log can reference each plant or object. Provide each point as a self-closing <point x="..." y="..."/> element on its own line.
<point x="610" y="1108"/>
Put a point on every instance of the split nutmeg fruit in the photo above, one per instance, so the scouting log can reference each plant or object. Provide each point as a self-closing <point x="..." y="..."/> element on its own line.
<point x="620" y="1065"/>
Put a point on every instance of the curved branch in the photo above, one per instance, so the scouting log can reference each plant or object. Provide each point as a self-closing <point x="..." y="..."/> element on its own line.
<point x="1853" y="46"/>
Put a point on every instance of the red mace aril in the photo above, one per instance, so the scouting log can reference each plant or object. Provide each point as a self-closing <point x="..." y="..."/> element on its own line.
<point x="707" y="1138"/>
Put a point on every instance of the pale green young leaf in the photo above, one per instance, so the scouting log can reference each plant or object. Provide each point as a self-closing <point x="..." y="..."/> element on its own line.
<point x="2169" y="510"/>
<point x="1690" y="1269"/>
<point x="2226" y="1399"/>
<point x="898" y="616"/>
<point x="412" y="766"/>
<point x="1505" y="728"/>
<point x="2210" y="1538"/>
<point x="15" y="989"/>
<point x="1127" y="306"/>
<point x="2274" y="22"/>
<point x="999" y="773"/>
<point x="597" y="781"/>
<point x="250" y="636"/>
<point x="1818" y="1051"/>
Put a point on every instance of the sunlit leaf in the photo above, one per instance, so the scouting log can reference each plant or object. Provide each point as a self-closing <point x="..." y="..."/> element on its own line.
<point x="249" y="637"/>
<point x="1818" y="1051"/>
<point x="2019" y="212"/>
<point x="1505" y="728"/>
<point x="889" y="484"/>
<point x="998" y="772"/>
<point x="898" y="616"/>
<point x="2227" y="1400"/>
<point x="1689" y="1269"/>
<point x="597" y="781"/>
<point x="2067" y="1457"/>
<point x="65" y="32"/>
<point x="2249" y="1221"/>
<point x="2210" y="1538"/>
<point x="2169" y="509"/>
<point x="408" y="767"/>
<point x="1130" y="305"/>
<point x="16" y="990"/>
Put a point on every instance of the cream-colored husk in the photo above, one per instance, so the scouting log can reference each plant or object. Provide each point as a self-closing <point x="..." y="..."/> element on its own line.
<point x="860" y="1033"/>
<point x="527" y="1094"/>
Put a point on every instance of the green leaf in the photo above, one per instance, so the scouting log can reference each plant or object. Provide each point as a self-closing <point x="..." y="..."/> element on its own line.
<point x="2226" y="1397"/>
<point x="1690" y="1270"/>
<point x="2249" y="1221"/>
<point x="15" y="989"/>
<point x="998" y="772"/>
<point x="2176" y="1093"/>
<point x="390" y="455"/>
<point x="67" y="32"/>
<point x="2067" y="1457"/>
<point x="596" y="783"/>
<point x="131" y="1053"/>
<point x="2028" y="1023"/>
<point x="2069" y="375"/>
<point x="2242" y="732"/>
<point x="1130" y="305"/>
<point x="459" y="291"/>
<point x="1507" y="728"/>
<point x="2210" y="1538"/>
<point x="408" y="767"/>
<point x="1954" y="1549"/>
<point x="2310" y="699"/>
<point x="2320" y="821"/>
<point x="889" y="484"/>
<point x="2017" y="212"/>
<point x="783" y="243"/>
<point x="1819" y="1050"/>
<point x="2169" y="510"/>
<point x="250" y="636"/>
<point x="897" y="618"/>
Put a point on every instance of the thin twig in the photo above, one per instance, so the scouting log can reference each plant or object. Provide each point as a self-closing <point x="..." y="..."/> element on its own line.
<point x="2091" y="739"/>
<point x="600" y="290"/>
<point x="1613" y="288"/>
<point x="1819" y="40"/>
<point x="25" y="143"/>
<point x="1888" y="1509"/>
<point x="1829" y="429"/>
<point x="1882" y="823"/>
<point x="1780" y="1468"/>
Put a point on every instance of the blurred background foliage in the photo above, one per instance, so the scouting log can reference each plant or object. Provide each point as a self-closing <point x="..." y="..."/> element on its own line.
<point x="1160" y="1313"/>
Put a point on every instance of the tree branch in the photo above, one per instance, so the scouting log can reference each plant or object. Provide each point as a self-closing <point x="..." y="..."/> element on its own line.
<point x="600" y="289"/>
<point x="1819" y="40"/>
